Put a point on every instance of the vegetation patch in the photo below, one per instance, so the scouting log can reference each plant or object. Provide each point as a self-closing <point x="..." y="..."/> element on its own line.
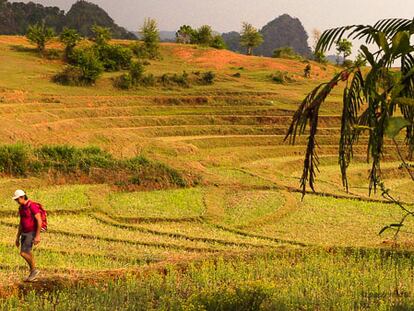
<point x="89" y="164"/>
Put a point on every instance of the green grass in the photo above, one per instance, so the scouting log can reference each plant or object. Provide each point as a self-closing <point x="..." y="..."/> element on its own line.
<point x="277" y="281"/>
<point x="157" y="204"/>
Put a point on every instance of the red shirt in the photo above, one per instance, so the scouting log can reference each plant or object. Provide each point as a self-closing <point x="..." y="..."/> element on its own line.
<point x="27" y="214"/>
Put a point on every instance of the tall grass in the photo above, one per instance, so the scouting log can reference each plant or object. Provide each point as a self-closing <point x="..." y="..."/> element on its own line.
<point x="21" y="160"/>
<point x="309" y="280"/>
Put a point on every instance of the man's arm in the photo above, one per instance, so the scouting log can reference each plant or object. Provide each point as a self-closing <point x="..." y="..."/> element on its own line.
<point x="19" y="232"/>
<point x="38" y="229"/>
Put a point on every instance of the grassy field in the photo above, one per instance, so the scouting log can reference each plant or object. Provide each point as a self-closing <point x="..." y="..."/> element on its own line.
<point x="242" y="237"/>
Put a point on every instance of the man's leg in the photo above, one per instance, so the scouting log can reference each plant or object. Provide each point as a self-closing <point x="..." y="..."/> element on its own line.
<point x="29" y="259"/>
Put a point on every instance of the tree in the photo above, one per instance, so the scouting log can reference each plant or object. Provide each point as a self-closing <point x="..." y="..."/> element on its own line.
<point x="70" y="38"/>
<point x="250" y="38"/>
<point x="40" y="35"/>
<point x="218" y="42"/>
<point x="371" y="99"/>
<point x="101" y="35"/>
<point x="344" y="47"/>
<point x="151" y="37"/>
<point x="184" y="34"/>
<point x="204" y="35"/>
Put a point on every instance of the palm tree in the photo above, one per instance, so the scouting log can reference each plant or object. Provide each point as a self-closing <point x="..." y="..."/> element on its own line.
<point x="371" y="99"/>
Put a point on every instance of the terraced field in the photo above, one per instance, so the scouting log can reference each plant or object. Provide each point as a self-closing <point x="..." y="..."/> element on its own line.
<point x="230" y="134"/>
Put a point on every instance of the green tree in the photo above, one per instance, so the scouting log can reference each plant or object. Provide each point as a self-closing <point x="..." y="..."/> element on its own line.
<point x="70" y="38"/>
<point x="371" y="99"/>
<point x="250" y="38"/>
<point x="101" y="35"/>
<point x="344" y="47"/>
<point x="39" y="34"/>
<point x="204" y="35"/>
<point x="184" y="34"/>
<point x="218" y="42"/>
<point x="150" y="35"/>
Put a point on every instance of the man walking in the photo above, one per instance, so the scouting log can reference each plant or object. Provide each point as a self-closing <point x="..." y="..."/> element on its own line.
<point x="29" y="230"/>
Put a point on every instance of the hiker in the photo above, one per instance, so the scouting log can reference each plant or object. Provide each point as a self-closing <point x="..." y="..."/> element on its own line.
<point x="29" y="230"/>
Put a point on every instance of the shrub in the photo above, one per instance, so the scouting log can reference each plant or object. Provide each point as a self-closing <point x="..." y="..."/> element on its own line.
<point x="281" y="77"/>
<point x="70" y="159"/>
<point x="14" y="159"/>
<point x="175" y="79"/>
<point x="286" y="52"/>
<point x="88" y="62"/>
<point x="123" y="82"/>
<point x="133" y="78"/>
<point x="136" y="71"/>
<point x="208" y="77"/>
<point x="218" y="42"/>
<point x="53" y="54"/>
<point x="70" y="75"/>
<point x="114" y="57"/>
<point x="148" y="80"/>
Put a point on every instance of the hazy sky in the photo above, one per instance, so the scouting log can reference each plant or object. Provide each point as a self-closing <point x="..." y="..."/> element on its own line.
<point x="227" y="15"/>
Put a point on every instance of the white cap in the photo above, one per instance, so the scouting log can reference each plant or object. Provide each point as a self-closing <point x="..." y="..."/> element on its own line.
<point x="18" y="194"/>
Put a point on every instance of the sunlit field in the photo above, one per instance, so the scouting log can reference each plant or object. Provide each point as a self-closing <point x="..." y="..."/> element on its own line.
<point x="238" y="236"/>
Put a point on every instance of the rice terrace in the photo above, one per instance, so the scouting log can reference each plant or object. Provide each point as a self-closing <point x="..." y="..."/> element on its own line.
<point x="200" y="172"/>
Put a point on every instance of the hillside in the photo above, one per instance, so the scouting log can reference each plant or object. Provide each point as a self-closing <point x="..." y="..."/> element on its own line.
<point x="16" y="17"/>
<point x="242" y="222"/>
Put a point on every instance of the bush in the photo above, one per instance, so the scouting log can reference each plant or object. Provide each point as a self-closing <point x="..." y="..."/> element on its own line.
<point x="71" y="76"/>
<point x="148" y="80"/>
<point x="286" y="52"/>
<point x="89" y="64"/>
<point x="114" y="57"/>
<point x="136" y="71"/>
<point x="123" y="82"/>
<point x="218" y="43"/>
<point x="133" y="78"/>
<point x="175" y="79"/>
<point x="70" y="159"/>
<point x="53" y="54"/>
<point x="14" y="159"/>
<point x="281" y="77"/>
<point x="208" y="77"/>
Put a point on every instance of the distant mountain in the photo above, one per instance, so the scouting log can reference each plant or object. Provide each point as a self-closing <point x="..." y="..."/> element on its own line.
<point x="281" y="32"/>
<point x="83" y="15"/>
<point x="17" y="16"/>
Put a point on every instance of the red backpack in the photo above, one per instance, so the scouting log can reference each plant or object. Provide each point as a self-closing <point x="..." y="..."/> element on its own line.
<point x="43" y="215"/>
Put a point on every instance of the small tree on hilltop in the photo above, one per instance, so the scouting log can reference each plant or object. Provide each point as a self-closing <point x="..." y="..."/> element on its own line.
<point x="39" y="34"/>
<point x="184" y="34"/>
<point x="70" y="38"/>
<point x="204" y="35"/>
<point x="250" y="38"/>
<point x="150" y="35"/>
<point x="344" y="47"/>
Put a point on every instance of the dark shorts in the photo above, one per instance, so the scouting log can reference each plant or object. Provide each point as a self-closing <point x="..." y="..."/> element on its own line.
<point x="26" y="242"/>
